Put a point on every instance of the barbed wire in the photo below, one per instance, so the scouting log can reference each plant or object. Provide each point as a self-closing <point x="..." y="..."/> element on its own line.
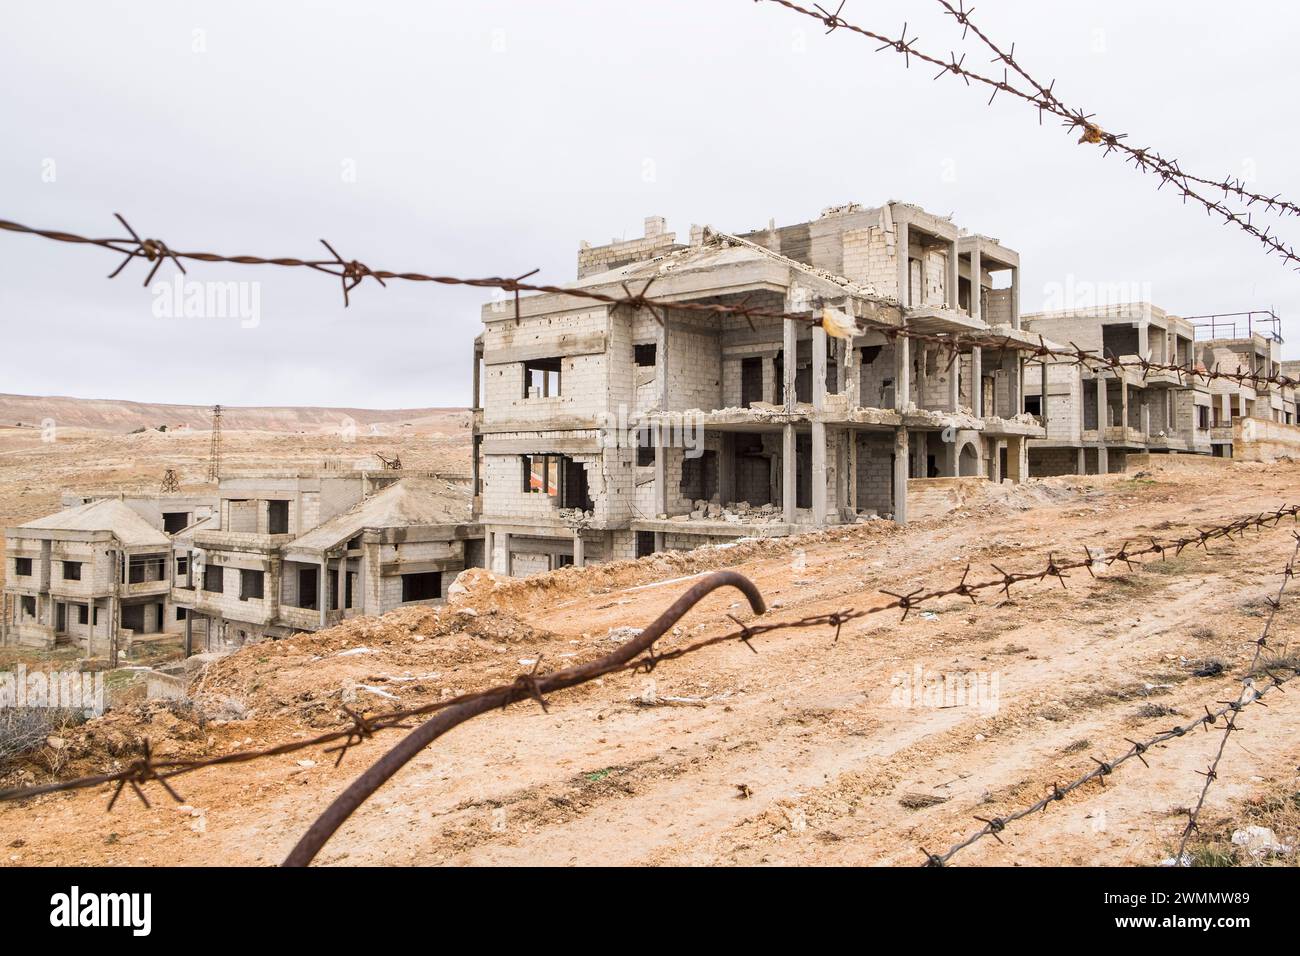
<point x="1168" y="171"/>
<point x="1248" y="695"/>
<point x="351" y="273"/>
<point x="636" y="655"/>
<point x="1150" y="158"/>
<point x="1138" y="749"/>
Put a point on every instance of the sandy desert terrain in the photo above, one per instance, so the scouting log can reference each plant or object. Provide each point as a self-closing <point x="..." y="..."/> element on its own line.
<point x="802" y="753"/>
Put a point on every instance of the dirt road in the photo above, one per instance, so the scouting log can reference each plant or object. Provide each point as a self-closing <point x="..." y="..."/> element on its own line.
<point x="806" y="752"/>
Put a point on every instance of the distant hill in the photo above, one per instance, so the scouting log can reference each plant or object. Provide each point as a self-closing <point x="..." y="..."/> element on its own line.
<point x="113" y="415"/>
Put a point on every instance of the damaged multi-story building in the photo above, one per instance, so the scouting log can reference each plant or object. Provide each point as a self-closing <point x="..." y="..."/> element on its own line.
<point x="606" y="431"/>
<point x="95" y="576"/>
<point x="301" y="552"/>
<point x="1249" y="343"/>
<point x="265" y="556"/>
<point x="1099" y="415"/>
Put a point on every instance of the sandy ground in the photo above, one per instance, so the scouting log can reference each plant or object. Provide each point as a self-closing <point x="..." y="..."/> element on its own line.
<point x="801" y="754"/>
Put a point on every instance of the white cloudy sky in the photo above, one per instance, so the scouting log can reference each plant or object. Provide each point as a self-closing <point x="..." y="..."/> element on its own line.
<point x="490" y="137"/>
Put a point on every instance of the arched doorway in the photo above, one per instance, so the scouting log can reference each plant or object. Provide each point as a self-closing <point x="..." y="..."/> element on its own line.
<point x="968" y="462"/>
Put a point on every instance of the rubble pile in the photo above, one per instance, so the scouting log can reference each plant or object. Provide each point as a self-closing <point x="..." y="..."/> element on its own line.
<point x="740" y="512"/>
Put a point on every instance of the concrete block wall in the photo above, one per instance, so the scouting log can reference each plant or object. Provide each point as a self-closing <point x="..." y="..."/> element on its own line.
<point x="97" y="570"/>
<point x="936" y="378"/>
<point x="997" y="307"/>
<point x="412" y="553"/>
<point x="880" y="263"/>
<point x="584" y="379"/>
<point x="656" y="242"/>
<point x="1045" y="462"/>
<point x="936" y="277"/>
<point x="871" y="386"/>
<point x="689" y="542"/>
<point x="694" y="366"/>
<point x="875" y="471"/>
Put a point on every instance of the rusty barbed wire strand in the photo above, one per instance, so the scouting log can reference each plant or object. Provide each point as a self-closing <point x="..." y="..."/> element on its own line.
<point x="639" y="654"/>
<point x="1168" y="171"/>
<point x="1228" y="184"/>
<point x="1228" y="711"/>
<point x="352" y="273"/>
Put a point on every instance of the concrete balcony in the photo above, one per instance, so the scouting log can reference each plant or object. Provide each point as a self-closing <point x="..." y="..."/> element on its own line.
<point x="1125" y="435"/>
<point x="303" y="618"/>
<point x="145" y="588"/>
<point x="240" y="541"/>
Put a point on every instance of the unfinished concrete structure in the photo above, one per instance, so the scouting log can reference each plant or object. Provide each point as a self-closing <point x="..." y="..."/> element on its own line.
<point x="1248" y="342"/>
<point x="301" y="552"/>
<point x="1157" y="411"/>
<point x="603" y="433"/>
<point x="1097" y="417"/>
<point x="95" y="575"/>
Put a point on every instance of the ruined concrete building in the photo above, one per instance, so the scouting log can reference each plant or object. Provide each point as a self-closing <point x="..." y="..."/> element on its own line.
<point x="301" y="552"/>
<point x="95" y="575"/>
<point x="264" y="557"/>
<point x="602" y="433"/>
<point x="1098" y="417"/>
<point x="1249" y="342"/>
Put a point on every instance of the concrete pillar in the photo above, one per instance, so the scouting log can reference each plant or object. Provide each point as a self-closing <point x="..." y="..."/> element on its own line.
<point x="902" y="373"/>
<point x="189" y="612"/>
<point x="789" y="362"/>
<point x="1043" y="387"/>
<point x="954" y="381"/>
<point x="323" y="589"/>
<point x="1017" y="459"/>
<point x="900" y="475"/>
<point x="852" y="368"/>
<point x="976" y="285"/>
<point x="1013" y="366"/>
<point x="661" y="472"/>
<point x="1102" y="405"/>
<point x="923" y="375"/>
<point x="1081" y="466"/>
<point x="503" y="546"/>
<point x="579" y="554"/>
<point x="1146" y="420"/>
<point x="922" y="450"/>
<point x="343" y="586"/>
<point x="953" y="280"/>
<point x="977" y="381"/>
<point x="997" y="463"/>
<point x="819" y="473"/>
<point x="851" y="467"/>
<point x="904" y="266"/>
<point x="819" y="367"/>
<point x="788" y="474"/>
<point x="1015" y="297"/>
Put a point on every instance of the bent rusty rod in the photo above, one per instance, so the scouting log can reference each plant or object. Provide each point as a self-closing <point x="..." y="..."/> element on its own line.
<point x="524" y="688"/>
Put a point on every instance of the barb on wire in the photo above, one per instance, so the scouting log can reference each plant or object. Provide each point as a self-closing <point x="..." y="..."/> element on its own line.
<point x="1167" y="171"/>
<point x="1229" y="710"/>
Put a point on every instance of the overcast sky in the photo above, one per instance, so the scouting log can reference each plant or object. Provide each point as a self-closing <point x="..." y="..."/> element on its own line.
<point x="488" y="138"/>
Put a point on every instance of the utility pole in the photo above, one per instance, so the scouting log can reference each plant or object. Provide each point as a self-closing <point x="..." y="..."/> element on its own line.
<point x="214" y="456"/>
